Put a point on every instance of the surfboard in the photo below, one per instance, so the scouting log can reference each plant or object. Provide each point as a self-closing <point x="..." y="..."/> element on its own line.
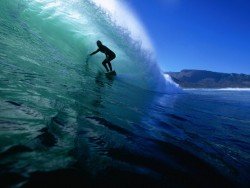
<point x="111" y="73"/>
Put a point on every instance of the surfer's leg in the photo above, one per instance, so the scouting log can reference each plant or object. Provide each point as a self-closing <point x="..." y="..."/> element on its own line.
<point x="109" y="59"/>
<point x="110" y="66"/>
<point x="104" y="63"/>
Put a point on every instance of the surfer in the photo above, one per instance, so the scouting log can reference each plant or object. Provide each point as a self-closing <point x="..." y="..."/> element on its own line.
<point x="110" y="55"/>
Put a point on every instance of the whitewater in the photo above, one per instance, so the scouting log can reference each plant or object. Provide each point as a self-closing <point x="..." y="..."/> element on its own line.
<point x="63" y="123"/>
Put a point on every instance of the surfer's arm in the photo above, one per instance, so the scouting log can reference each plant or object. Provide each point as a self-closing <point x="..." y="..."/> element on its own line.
<point x="95" y="52"/>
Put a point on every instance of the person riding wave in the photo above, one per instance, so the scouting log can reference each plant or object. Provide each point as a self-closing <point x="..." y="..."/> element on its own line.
<point x="110" y="55"/>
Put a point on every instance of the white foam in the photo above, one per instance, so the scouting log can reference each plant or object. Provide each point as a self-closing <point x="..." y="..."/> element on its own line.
<point x="169" y="79"/>
<point x="123" y="15"/>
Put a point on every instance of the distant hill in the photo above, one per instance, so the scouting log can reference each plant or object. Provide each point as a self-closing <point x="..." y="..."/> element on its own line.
<point x="209" y="79"/>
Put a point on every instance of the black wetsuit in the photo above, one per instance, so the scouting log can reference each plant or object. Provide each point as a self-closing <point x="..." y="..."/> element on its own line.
<point x="110" y="55"/>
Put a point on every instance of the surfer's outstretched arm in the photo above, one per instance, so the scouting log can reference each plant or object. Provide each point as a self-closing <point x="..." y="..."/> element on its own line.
<point x="95" y="52"/>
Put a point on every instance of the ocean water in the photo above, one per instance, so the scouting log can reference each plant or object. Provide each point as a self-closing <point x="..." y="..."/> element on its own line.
<point x="63" y="123"/>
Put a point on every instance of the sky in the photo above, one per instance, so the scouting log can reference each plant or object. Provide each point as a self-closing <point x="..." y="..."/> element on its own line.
<point x="198" y="34"/>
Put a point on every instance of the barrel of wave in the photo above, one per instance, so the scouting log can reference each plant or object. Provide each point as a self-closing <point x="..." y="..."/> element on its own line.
<point x="74" y="31"/>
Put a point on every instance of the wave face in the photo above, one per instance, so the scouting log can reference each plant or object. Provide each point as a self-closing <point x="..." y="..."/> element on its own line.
<point x="56" y="36"/>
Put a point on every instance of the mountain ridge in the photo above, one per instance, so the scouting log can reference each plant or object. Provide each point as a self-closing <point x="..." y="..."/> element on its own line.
<point x="190" y="78"/>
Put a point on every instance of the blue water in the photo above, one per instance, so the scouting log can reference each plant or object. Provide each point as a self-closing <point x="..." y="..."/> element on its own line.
<point x="62" y="122"/>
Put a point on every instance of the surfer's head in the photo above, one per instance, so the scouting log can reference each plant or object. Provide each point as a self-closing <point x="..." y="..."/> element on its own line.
<point x="99" y="43"/>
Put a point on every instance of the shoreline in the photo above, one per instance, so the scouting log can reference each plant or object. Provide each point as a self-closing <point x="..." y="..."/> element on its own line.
<point x="219" y="89"/>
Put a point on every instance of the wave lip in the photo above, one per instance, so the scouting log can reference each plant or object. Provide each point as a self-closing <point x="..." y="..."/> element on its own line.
<point x="125" y="17"/>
